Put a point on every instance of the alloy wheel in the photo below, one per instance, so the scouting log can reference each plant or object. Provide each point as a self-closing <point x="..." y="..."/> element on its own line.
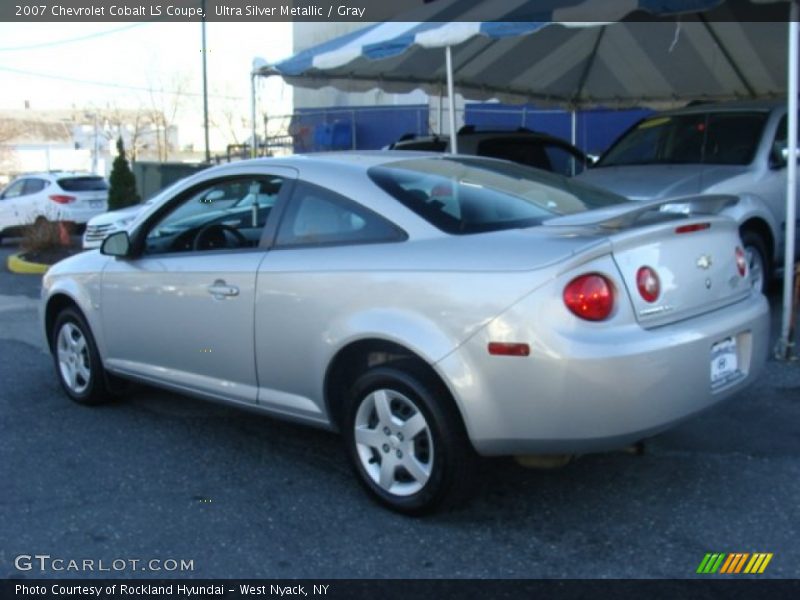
<point x="73" y="358"/>
<point x="394" y="442"/>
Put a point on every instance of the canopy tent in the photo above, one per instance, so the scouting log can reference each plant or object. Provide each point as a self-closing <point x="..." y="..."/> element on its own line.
<point x="574" y="54"/>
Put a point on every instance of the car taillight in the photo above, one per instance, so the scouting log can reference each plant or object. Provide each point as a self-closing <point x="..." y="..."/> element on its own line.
<point x="62" y="198"/>
<point x="741" y="261"/>
<point x="590" y="297"/>
<point x="648" y="284"/>
<point x="693" y="227"/>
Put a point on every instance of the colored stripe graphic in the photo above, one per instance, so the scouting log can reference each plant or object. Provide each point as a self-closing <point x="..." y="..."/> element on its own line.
<point x="734" y="563"/>
<point x="711" y="563"/>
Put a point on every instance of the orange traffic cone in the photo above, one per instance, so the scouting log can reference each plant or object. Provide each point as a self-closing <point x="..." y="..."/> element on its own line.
<point x="63" y="234"/>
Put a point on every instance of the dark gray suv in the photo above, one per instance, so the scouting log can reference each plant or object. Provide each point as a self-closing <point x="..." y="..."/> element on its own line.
<point x="523" y="146"/>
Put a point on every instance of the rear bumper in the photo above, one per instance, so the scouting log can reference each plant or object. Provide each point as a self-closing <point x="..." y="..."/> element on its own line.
<point x="575" y="394"/>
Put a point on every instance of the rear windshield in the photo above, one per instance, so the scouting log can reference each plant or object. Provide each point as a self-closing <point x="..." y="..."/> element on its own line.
<point x="461" y="195"/>
<point x="83" y="184"/>
<point x="723" y="138"/>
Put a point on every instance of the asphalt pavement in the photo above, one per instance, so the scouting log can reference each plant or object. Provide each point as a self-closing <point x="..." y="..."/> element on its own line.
<point x="159" y="476"/>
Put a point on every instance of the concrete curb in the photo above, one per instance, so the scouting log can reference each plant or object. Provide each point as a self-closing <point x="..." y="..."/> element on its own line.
<point x="16" y="264"/>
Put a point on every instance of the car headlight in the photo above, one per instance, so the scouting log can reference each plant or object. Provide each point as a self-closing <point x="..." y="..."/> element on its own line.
<point x="123" y="222"/>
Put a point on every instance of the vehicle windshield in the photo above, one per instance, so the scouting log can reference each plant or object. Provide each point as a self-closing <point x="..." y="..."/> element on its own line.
<point x="723" y="138"/>
<point x="473" y="195"/>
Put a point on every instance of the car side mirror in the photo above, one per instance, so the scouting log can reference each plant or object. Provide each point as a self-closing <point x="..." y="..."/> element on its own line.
<point x="777" y="158"/>
<point x="117" y="244"/>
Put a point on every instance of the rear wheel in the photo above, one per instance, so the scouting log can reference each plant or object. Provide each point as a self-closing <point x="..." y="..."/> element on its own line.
<point x="758" y="261"/>
<point x="406" y="440"/>
<point x="77" y="361"/>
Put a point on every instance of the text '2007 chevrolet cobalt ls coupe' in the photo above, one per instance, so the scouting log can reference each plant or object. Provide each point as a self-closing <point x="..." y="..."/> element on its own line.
<point x="430" y="308"/>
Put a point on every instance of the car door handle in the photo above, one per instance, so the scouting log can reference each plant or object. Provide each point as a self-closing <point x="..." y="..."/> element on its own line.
<point x="219" y="289"/>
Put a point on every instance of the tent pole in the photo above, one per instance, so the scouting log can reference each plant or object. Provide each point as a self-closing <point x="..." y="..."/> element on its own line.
<point x="253" y="135"/>
<point x="574" y="135"/>
<point x="785" y="343"/>
<point x="439" y="124"/>
<point x="451" y="99"/>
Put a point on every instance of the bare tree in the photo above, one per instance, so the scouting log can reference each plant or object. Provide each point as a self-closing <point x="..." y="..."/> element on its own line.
<point x="166" y="101"/>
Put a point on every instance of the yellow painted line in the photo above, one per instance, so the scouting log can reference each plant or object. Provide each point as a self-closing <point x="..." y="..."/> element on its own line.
<point x="753" y="560"/>
<point x="727" y="564"/>
<point x="758" y="562"/>
<point x="765" y="563"/>
<point x="16" y="264"/>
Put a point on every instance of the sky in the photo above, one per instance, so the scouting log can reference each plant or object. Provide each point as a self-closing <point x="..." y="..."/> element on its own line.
<point x="53" y="65"/>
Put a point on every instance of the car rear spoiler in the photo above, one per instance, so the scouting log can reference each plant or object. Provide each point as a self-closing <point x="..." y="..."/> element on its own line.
<point x="621" y="216"/>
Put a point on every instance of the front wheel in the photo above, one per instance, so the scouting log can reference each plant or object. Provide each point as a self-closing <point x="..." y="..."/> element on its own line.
<point x="77" y="361"/>
<point x="406" y="440"/>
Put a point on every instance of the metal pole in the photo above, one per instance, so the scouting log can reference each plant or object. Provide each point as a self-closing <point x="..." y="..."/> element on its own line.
<point x="451" y="98"/>
<point x="254" y="136"/>
<point x="205" y="86"/>
<point x="574" y="134"/>
<point x="785" y="344"/>
<point x="439" y="121"/>
<point x="95" y="161"/>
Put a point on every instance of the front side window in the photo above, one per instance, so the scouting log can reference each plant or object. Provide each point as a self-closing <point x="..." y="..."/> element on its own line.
<point x="723" y="138"/>
<point x="220" y="215"/>
<point x="317" y="216"/>
<point x="779" y="143"/>
<point x="462" y="195"/>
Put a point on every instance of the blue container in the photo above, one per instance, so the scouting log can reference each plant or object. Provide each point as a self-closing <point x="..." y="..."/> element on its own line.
<point x="334" y="136"/>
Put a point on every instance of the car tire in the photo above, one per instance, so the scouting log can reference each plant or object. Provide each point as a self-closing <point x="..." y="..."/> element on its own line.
<point x="78" y="366"/>
<point x="758" y="261"/>
<point x="406" y="440"/>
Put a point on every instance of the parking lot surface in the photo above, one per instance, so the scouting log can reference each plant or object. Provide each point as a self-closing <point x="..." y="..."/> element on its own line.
<point x="160" y="476"/>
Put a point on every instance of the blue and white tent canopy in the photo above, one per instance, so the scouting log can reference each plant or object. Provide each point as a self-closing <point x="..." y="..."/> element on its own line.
<point x="643" y="52"/>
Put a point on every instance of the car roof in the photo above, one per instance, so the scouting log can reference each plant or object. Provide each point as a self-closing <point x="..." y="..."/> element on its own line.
<point x="355" y="158"/>
<point x="738" y="105"/>
<point x="57" y="174"/>
<point x="468" y="131"/>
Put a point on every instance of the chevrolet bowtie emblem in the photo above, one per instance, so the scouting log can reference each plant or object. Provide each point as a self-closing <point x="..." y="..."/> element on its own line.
<point x="704" y="262"/>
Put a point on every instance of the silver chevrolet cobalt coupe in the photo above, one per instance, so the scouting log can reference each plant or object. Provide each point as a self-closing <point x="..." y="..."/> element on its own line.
<point x="430" y="308"/>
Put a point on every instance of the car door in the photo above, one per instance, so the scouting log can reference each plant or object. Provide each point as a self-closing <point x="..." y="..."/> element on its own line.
<point x="180" y="312"/>
<point x="9" y="205"/>
<point x="302" y="290"/>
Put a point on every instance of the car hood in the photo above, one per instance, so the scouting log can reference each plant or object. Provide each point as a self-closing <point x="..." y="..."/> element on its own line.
<point x="654" y="182"/>
<point x="115" y="215"/>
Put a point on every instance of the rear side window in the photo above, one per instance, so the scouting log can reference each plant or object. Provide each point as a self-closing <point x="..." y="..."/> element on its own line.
<point x="83" y="184"/>
<point x="524" y="152"/>
<point x="33" y="186"/>
<point x="317" y="216"/>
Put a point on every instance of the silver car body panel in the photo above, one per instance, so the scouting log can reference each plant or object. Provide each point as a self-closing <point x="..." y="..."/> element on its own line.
<point x="584" y="386"/>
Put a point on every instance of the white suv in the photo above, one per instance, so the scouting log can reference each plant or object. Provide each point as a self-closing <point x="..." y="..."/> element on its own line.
<point x="53" y="196"/>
